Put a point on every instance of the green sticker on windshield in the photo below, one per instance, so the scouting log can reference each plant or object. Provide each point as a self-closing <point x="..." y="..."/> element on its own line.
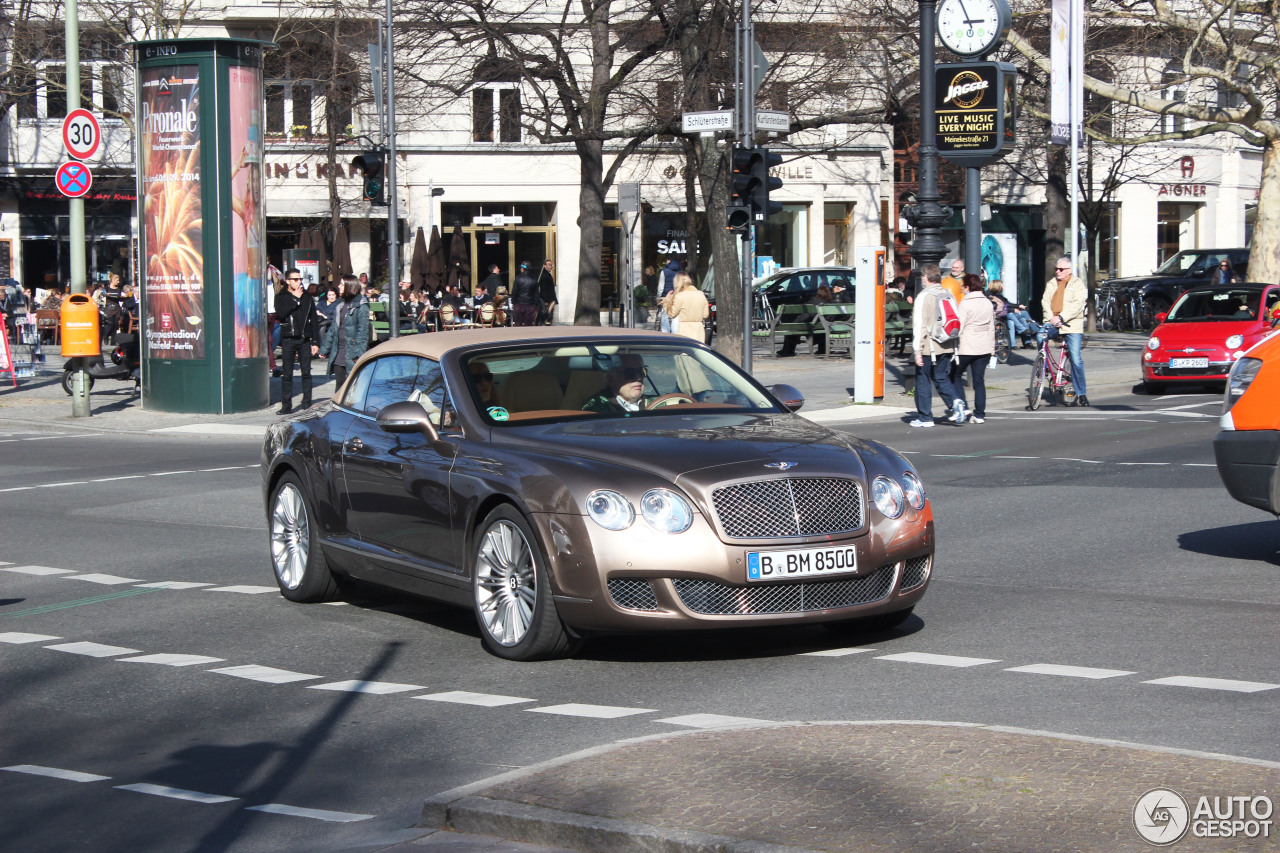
<point x="498" y="413"/>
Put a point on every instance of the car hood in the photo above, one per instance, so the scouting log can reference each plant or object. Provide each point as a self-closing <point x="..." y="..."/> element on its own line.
<point x="1213" y="332"/>
<point x="1141" y="280"/>
<point x="703" y="448"/>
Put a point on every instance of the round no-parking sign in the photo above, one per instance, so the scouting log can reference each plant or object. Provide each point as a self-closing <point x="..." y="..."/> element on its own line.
<point x="80" y="134"/>
<point x="73" y="179"/>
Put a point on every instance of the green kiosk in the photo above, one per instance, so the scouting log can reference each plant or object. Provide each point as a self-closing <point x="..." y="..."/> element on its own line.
<point x="202" y="253"/>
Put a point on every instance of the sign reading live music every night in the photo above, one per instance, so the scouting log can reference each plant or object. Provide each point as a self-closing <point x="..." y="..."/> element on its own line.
<point x="976" y="109"/>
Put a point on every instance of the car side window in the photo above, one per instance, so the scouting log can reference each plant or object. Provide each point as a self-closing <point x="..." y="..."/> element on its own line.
<point x="393" y="381"/>
<point x="359" y="387"/>
<point x="430" y="390"/>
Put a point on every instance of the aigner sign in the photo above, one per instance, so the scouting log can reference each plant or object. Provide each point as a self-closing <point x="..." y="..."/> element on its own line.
<point x="976" y="108"/>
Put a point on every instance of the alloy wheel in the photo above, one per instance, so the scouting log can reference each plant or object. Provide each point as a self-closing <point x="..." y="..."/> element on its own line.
<point x="290" y="536"/>
<point x="506" y="583"/>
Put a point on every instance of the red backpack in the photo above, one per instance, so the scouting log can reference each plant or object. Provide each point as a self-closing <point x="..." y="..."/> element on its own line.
<point x="946" y="322"/>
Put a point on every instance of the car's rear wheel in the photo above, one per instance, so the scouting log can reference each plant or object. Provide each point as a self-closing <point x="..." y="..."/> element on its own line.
<point x="512" y="591"/>
<point x="300" y="567"/>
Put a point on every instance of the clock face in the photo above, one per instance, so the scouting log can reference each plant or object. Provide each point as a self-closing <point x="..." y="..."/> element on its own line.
<point x="972" y="27"/>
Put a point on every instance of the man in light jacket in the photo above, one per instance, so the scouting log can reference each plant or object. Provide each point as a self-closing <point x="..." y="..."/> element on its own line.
<point x="933" y="359"/>
<point x="1064" y="301"/>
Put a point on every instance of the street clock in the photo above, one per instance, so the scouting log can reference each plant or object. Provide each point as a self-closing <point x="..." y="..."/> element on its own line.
<point x="973" y="27"/>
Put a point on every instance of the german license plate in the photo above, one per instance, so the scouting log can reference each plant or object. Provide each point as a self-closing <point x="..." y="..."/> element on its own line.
<point x="1176" y="363"/>
<point x="801" y="563"/>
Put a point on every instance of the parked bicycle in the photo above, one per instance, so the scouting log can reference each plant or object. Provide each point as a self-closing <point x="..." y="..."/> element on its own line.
<point x="1051" y="373"/>
<point x="1002" y="340"/>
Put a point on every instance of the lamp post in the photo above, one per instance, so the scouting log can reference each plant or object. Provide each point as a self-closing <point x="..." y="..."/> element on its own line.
<point x="927" y="216"/>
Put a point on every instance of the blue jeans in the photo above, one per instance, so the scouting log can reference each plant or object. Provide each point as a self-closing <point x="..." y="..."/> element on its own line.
<point x="1019" y="323"/>
<point x="1074" y="343"/>
<point x="935" y="372"/>
<point x="976" y="366"/>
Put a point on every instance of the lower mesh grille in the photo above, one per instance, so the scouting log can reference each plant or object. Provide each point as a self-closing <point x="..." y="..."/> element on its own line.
<point x="715" y="598"/>
<point x="914" y="572"/>
<point x="633" y="593"/>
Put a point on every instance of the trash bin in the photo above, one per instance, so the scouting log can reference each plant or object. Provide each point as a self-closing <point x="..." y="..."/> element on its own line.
<point x="80" y="326"/>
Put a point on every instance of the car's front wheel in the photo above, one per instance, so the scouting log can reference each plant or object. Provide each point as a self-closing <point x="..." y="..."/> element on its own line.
<point x="512" y="592"/>
<point x="300" y="567"/>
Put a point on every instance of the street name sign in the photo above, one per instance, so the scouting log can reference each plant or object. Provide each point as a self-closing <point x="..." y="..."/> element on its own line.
<point x="776" y="122"/>
<point x="73" y="179"/>
<point x="707" y="122"/>
<point x="81" y="134"/>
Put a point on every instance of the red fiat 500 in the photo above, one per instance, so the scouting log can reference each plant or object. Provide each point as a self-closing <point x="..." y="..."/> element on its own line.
<point x="1206" y="330"/>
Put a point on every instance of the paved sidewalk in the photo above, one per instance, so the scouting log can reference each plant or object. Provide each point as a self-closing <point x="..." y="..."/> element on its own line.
<point x="1111" y="364"/>
<point x="887" y="787"/>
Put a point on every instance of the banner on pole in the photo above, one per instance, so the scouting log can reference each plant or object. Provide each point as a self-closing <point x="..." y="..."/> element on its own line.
<point x="1060" y="73"/>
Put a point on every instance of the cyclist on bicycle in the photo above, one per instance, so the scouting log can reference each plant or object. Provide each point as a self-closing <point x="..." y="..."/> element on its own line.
<point x="1063" y="304"/>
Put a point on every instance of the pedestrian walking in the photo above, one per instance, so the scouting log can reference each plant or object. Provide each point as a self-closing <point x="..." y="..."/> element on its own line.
<point x="689" y="309"/>
<point x="296" y="312"/>
<point x="933" y="357"/>
<point x="668" y="290"/>
<point x="524" y="296"/>
<point x="977" y="343"/>
<point x="1064" y="300"/>
<point x="547" y="294"/>
<point x="348" y="335"/>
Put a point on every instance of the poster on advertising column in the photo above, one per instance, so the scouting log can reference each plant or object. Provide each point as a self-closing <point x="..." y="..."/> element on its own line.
<point x="248" y="221"/>
<point x="171" y="211"/>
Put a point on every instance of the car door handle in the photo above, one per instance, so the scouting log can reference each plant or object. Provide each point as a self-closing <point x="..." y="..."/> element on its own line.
<point x="352" y="445"/>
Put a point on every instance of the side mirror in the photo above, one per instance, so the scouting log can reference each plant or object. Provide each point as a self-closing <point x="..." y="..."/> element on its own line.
<point x="407" y="416"/>
<point x="1162" y="316"/>
<point x="788" y="395"/>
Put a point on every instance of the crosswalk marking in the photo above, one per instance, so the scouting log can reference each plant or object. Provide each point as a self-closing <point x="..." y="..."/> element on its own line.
<point x="266" y="674"/>
<point x="314" y="814"/>
<point x="1214" y="684"/>
<point x="19" y="637"/>
<point x="600" y="712"/>
<point x="176" y="793"/>
<point x="836" y="653"/>
<point x="712" y="721"/>
<point x="37" y="570"/>
<point x="55" y="773"/>
<point x="465" y="697"/>
<point x="1069" y="671"/>
<point x="106" y="580"/>
<point x="244" y="588"/>
<point x="173" y="585"/>
<point x="936" y="660"/>
<point x="377" y="687"/>
<point x="93" y="650"/>
<point x="173" y="660"/>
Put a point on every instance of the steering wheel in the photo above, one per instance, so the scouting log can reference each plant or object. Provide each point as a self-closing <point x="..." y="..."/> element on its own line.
<point x="674" y="399"/>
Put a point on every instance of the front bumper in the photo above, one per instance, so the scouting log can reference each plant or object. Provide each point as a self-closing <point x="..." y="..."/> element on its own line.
<point x="1156" y="371"/>
<point x="1247" y="464"/>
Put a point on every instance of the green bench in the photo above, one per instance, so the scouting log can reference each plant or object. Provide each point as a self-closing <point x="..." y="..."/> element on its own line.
<point x="897" y="325"/>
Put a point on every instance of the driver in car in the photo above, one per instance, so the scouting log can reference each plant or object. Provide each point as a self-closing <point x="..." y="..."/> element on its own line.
<point x="624" y="388"/>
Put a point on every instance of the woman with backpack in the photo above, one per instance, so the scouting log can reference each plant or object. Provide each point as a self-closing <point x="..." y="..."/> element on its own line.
<point x="977" y="343"/>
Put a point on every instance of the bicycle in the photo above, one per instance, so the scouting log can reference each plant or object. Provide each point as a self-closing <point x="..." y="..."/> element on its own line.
<point x="1002" y="340"/>
<point x="1055" y="375"/>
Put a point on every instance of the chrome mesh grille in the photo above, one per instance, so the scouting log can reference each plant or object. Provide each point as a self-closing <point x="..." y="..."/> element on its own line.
<point x="787" y="507"/>
<point x="914" y="572"/>
<point x="633" y="593"/>
<point x="722" y="599"/>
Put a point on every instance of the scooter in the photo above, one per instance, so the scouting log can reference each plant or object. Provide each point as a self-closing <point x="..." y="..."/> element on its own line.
<point x="124" y="364"/>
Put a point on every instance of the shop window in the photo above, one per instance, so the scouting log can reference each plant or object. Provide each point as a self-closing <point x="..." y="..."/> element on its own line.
<point x="1175" y="229"/>
<point x="495" y="113"/>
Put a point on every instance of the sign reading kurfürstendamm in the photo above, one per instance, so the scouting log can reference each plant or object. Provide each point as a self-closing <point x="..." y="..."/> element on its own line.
<point x="976" y="110"/>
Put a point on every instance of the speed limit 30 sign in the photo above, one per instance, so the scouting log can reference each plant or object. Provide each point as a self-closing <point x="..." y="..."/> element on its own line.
<point x="80" y="134"/>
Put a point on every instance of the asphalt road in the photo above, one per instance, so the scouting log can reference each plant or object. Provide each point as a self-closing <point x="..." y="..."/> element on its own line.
<point x="1093" y="578"/>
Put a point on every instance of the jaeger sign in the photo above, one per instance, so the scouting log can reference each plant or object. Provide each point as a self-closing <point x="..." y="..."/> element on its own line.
<point x="976" y="110"/>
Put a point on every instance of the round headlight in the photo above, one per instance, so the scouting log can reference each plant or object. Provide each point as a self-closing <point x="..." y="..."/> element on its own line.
<point x="665" y="511"/>
<point x="888" y="497"/>
<point x="610" y="510"/>
<point x="914" y="490"/>
<point x="1153" y="343"/>
<point x="1235" y="341"/>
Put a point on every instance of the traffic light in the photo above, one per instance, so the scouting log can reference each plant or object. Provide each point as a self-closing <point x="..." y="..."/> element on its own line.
<point x="763" y="184"/>
<point x="737" y="218"/>
<point x="738" y="212"/>
<point x="370" y="164"/>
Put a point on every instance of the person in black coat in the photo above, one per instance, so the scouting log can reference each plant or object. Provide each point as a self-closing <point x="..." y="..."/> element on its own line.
<point x="296" y="313"/>
<point x="524" y="296"/>
<point x="547" y="293"/>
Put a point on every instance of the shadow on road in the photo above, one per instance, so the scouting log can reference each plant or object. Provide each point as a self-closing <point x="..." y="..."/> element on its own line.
<point x="1256" y="541"/>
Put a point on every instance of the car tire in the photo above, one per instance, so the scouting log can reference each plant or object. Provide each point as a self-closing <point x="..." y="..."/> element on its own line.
<point x="871" y="624"/>
<point x="511" y="591"/>
<point x="297" y="560"/>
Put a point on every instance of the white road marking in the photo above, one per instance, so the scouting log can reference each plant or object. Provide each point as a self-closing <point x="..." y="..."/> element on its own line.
<point x="1200" y="405"/>
<point x="56" y="485"/>
<point x="19" y="637"/>
<point x="314" y="814"/>
<point x="1069" y="459"/>
<point x="1143" y="463"/>
<point x="173" y="585"/>
<point x="336" y="603"/>
<point x="96" y="577"/>
<point x="64" y="435"/>
<point x="1015" y="457"/>
<point x="267" y="674"/>
<point x="836" y="653"/>
<point x="38" y="570"/>
<point x="113" y="479"/>
<point x="173" y="660"/>
<point x="55" y="773"/>
<point x="245" y="589"/>
<point x="602" y="712"/>
<point x="378" y="687"/>
<point x="464" y="697"/>
<point x="176" y="793"/>
<point x="1200" y="464"/>
<point x="168" y="473"/>
<point x="936" y="660"/>
<point x="1069" y="671"/>
<point x="18" y="489"/>
<point x="93" y="650"/>
<point x="712" y="721"/>
<point x="1214" y="683"/>
<point x="228" y="468"/>
<point x="4" y="563"/>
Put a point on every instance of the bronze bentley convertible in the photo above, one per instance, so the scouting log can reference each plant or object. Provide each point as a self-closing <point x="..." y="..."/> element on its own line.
<point x="567" y="481"/>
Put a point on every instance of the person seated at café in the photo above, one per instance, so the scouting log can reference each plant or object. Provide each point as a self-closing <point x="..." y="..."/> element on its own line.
<point x="623" y="390"/>
<point x="482" y="294"/>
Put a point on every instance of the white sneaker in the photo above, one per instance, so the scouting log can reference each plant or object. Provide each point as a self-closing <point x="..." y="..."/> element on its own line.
<point x="919" y="423"/>
<point x="974" y="419"/>
<point x="958" y="415"/>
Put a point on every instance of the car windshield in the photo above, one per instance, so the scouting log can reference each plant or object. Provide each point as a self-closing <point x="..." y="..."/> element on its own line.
<point x="1225" y="303"/>
<point x="1181" y="262"/>
<point x="607" y="379"/>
